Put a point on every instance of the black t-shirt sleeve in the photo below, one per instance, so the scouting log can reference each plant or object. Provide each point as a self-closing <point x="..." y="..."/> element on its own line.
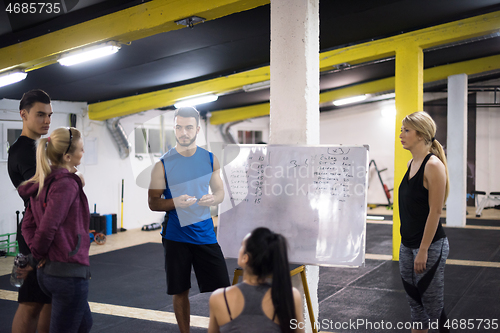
<point x="22" y="160"/>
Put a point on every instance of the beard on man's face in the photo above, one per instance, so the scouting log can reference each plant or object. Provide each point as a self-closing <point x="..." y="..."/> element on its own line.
<point x="186" y="144"/>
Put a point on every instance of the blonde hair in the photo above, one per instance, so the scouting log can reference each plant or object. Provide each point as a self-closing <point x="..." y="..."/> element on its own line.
<point x="426" y="128"/>
<point x="51" y="151"/>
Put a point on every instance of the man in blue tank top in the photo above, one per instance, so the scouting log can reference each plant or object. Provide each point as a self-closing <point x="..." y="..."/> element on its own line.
<point x="180" y="184"/>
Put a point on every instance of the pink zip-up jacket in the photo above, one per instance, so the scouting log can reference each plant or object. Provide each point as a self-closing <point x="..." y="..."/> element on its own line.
<point x="56" y="224"/>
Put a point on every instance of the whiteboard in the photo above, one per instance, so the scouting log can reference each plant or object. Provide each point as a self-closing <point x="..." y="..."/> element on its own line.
<point x="315" y="196"/>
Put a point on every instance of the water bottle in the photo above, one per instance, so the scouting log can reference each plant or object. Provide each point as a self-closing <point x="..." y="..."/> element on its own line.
<point x="19" y="261"/>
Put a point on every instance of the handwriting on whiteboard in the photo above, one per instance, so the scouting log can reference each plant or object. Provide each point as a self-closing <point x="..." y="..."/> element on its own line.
<point x="332" y="173"/>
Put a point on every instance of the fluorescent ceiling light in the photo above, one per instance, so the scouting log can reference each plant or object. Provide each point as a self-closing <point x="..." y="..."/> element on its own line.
<point x="382" y="97"/>
<point x="350" y="100"/>
<point x="196" y="101"/>
<point x="257" y="86"/>
<point x="191" y="21"/>
<point x="88" y="53"/>
<point x="12" y="77"/>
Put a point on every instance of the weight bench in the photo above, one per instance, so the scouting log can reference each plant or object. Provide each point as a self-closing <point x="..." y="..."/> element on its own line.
<point x="480" y="205"/>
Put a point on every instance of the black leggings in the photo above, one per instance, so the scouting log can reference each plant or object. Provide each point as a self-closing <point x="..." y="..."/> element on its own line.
<point x="425" y="291"/>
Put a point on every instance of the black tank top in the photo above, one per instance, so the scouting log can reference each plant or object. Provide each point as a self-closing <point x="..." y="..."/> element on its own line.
<point x="414" y="208"/>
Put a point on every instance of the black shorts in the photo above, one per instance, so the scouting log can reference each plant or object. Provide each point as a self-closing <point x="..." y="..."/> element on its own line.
<point x="208" y="263"/>
<point x="30" y="291"/>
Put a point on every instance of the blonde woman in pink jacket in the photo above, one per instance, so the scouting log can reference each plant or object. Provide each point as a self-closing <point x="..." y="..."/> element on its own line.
<point x="56" y="227"/>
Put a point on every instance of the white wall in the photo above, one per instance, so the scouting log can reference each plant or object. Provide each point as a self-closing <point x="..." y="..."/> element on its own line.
<point x="487" y="145"/>
<point x="365" y="125"/>
<point x="9" y="199"/>
<point x="214" y="136"/>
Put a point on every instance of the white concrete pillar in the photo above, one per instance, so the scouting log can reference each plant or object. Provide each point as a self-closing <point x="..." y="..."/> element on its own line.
<point x="294" y="115"/>
<point x="456" y="206"/>
<point x="294" y="72"/>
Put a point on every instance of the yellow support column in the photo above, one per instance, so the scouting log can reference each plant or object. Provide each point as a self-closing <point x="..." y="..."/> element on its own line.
<point x="409" y="87"/>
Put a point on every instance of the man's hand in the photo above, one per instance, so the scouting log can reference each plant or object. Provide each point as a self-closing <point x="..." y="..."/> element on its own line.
<point x="22" y="273"/>
<point x="207" y="200"/>
<point x="184" y="201"/>
<point x="41" y="263"/>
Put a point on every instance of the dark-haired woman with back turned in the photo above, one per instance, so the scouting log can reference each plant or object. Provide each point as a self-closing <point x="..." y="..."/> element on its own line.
<point x="255" y="305"/>
<point x="56" y="227"/>
<point x="424" y="246"/>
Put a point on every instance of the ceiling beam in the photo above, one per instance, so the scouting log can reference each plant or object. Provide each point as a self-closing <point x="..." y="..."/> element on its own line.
<point x="236" y="114"/>
<point x="442" y="34"/>
<point x="425" y="38"/>
<point x="148" y="101"/>
<point x="373" y="87"/>
<point x="124" y="26"/>
<point x="470" y="67"/>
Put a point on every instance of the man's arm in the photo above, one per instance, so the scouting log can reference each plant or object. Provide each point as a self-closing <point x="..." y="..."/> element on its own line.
<point x="28" y="227"/>
<point x="156" y="189"/>
<point x="21" y="165"/>
<point x="28" y="231"/>
<point x="217" y="187"/>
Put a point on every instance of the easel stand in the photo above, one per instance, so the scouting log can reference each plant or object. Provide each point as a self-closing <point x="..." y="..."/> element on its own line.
<point x="302" y="270"/>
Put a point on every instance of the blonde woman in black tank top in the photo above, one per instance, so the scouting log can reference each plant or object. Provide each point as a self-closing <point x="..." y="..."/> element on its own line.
<point x="424" y="246"/>
<point x="255" y="305"/>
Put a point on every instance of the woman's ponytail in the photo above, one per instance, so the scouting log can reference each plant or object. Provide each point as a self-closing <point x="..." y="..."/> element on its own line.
<point x="42" y="165"/>
<point x="268" y="255"/>
<point x="281" y="288"/>
<point x="437" y="149"/>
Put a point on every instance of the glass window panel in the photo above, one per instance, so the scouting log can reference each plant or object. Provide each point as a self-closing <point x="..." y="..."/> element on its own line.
<point x="140" y="140"/>
<point x="248" y="137"/>
<point x="258" y="136"/>
<point x="12" y="135"/>
<point x="154" y="141"/>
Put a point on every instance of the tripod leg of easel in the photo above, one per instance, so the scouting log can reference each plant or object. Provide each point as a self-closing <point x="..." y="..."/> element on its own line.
<point x="237" y="273"/>
<point x="308" y="299"/>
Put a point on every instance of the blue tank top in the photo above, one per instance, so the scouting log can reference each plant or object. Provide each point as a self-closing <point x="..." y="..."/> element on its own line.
<point x="188" y="175"/>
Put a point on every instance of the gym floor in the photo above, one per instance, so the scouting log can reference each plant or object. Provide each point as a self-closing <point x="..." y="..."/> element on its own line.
<point x="127" y="289"/>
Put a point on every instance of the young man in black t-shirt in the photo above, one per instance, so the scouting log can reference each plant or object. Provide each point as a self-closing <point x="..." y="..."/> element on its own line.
<point x="34" y="307"/>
